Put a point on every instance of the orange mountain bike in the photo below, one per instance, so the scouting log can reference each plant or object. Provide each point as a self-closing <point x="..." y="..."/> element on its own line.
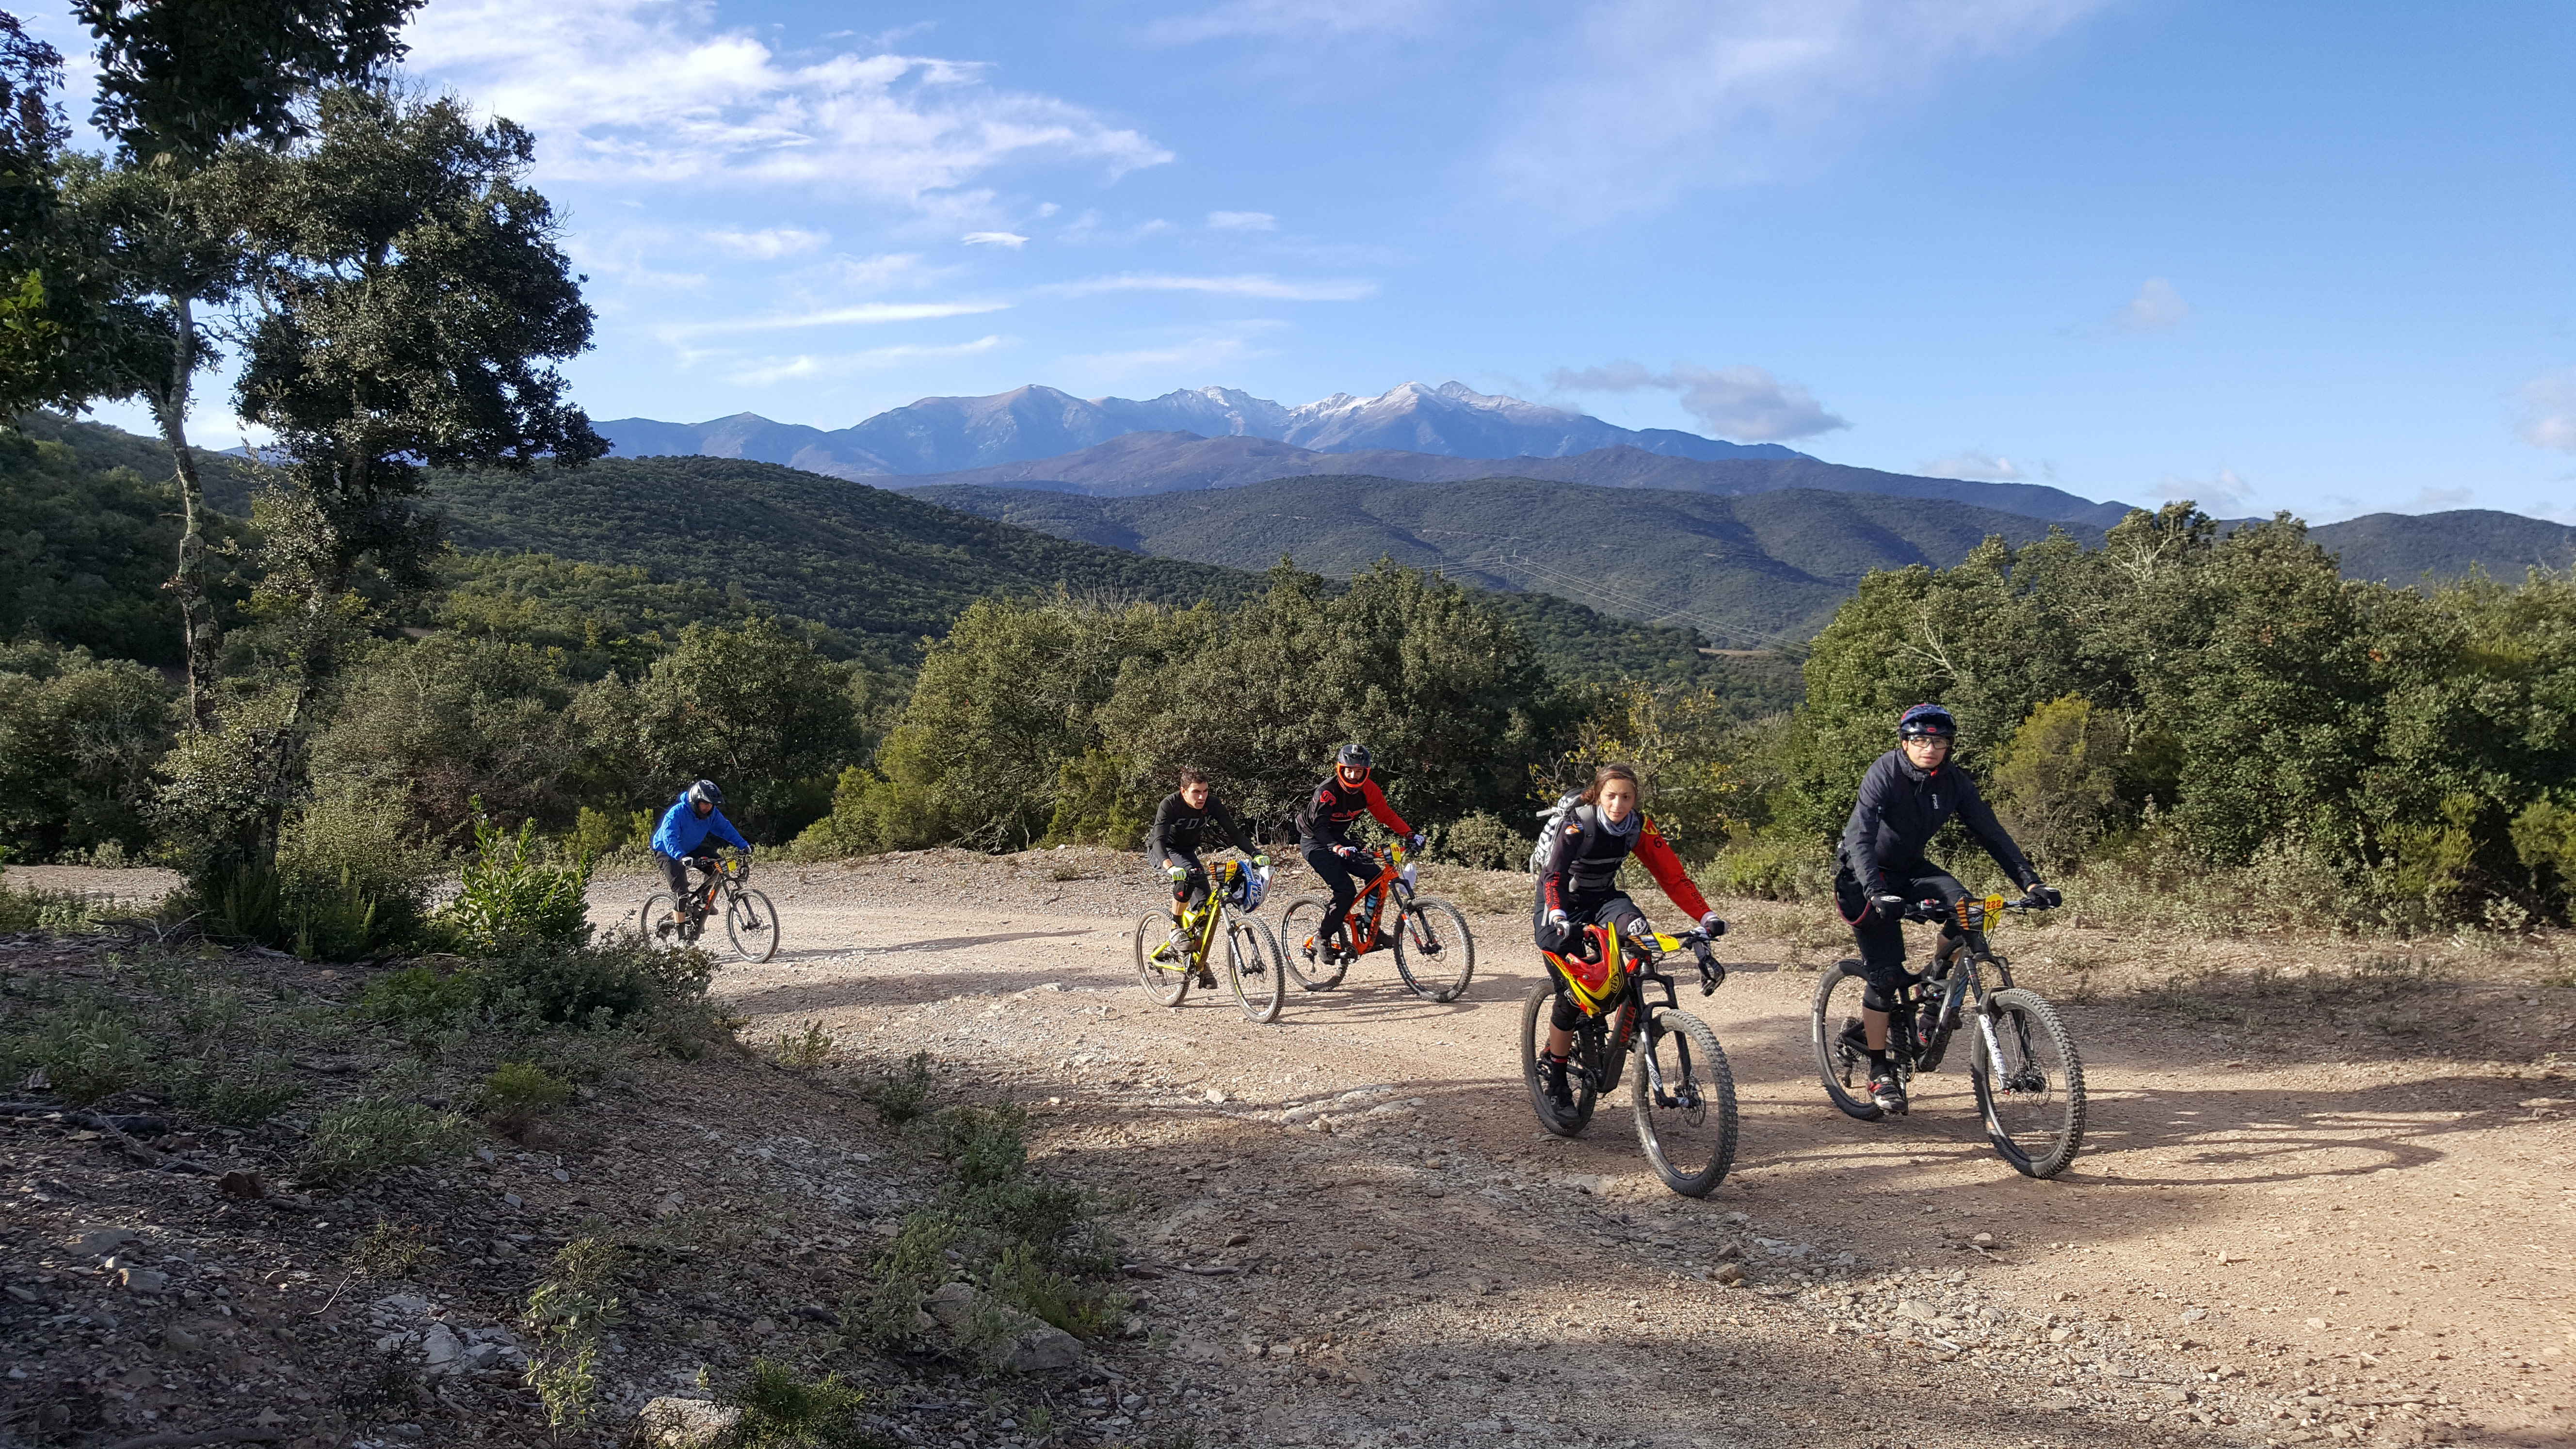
<point x="1434" y="952"/>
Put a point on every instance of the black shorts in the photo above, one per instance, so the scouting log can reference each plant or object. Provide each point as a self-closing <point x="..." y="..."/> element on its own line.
<point x="1881" y="935"/>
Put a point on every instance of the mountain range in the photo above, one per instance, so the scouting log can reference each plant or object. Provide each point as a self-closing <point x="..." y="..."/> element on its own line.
<point x="945" y="434"/>
<point x="1149" y="463"/>
<point x="1755" y="571"/>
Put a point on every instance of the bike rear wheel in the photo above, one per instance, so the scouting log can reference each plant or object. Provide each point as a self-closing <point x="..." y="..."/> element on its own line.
<point x="1536" y="1010"/>
<point x="2033" y="1097"/>
<point x="1841" y="1059"/>
<point x="1685" y="1096"/>
<point x="1254" y="969"/>
<point x="752" y="925"/>
<point x="1434" y="952"/>
<point x="1302" y="947"/>
<point x="1164" y="975"/>
<point x="654" y="921"/>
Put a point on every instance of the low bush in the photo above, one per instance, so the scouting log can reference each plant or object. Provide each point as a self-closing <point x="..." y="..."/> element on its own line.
<point x="364" y="1136"/>
<point x="810" y="1048"/>
<point x="615" y="982"/>
<point x="565" y="1316"/>
<point x="887" y="1313"/>
<point x="240" y="1095"/>
<point x="516" y="1094"/>
<point x="1773" y="866"/>
<point x="1481" y="840"/>
<point x="782" y="1409"/>
<point x="419" y="1002"/>
<point x="512" y="898"/>
<point x="88" y="1050"/>
<point x="901" y="1095"/>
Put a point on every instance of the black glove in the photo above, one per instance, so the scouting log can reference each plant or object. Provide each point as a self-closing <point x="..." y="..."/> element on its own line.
<point x="2047" y="895"/>
<point x="1555" y="932"/>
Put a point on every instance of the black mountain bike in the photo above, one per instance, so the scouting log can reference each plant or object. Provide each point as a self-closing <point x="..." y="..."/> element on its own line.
<point x="1684" y="1094"/>
<point x="749" y="921"/>
<point x="2028" y="1078"/>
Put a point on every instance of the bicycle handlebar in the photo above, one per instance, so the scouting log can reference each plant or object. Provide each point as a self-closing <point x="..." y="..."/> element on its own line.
<point x="1935" y="913"/>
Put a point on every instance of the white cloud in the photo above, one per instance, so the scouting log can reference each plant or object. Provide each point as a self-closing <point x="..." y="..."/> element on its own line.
<point x="646" y="90"/>
<point x="2224" y="492"/>
<point x="1088" y="230"/>
<point x="1741" y="402"/>
<point x="837" y="364"/>
<point x="1195" y="354"/>
<point x="626" y="256"/>
<point x="1010" y="239"/>
<point x="1242" y="221"/>
<point x="863" y="314"/>
<point x="2549" y="410"/>
<point x="1296" y="20"/>
<point x="1653" y="97"/>
<point x="767" y="244"/>
<point x="1975" y="465"/>
<point x="1264" y="288"/>
<point x="2156" y="308"/>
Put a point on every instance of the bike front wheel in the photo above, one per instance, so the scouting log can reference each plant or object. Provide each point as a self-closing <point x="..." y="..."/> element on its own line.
<point x="1164" y="973"/>
<point x="1842" y="1055"/>
<point x="1433" y="951"/>
<point x="752" y="925"/>
<point x="2032" y="1095"/>
<point x="1254" y="969"/>
<point x="1301" y="941"/>
<point x="1582" y="1094"/>
<point x="1685" y="1096"/>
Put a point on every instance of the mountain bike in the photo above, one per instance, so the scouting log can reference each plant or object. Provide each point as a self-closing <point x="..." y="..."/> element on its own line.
<point x="750" y="923"/>
<point x="1434" y="952"/>
<point x="1684" y="1095"/>
<point x="1169" y="958"/>
<point x="2028" y="1078"/>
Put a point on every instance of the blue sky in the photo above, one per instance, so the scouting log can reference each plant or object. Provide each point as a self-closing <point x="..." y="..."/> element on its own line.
<point x="2266" y="256"/>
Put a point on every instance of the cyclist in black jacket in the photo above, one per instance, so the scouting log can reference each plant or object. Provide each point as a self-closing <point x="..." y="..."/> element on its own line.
<point x="1905" y="799"/>
<point x="1181" y="827"/>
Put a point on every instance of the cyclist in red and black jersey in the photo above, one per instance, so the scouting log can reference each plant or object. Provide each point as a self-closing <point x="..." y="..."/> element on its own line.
<point x="1323" y="836"/>
<point x="1579" y="887"/>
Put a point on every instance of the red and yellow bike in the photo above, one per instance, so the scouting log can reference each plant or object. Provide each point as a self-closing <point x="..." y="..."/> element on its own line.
<point x="1434" y="952"/>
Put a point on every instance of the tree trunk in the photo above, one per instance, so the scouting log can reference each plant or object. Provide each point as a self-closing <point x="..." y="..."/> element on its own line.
<point x="199" y="636"/>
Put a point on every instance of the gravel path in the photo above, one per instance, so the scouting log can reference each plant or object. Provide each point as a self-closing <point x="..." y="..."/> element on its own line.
<point x="1356" y="1227"/>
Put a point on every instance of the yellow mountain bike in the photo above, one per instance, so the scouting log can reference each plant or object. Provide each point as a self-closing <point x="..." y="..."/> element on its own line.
<point x="1169" y="959"/>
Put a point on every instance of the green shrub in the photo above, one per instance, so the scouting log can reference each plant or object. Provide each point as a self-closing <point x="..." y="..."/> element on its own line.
<point x="87" y="1049"/>
<point x="1021" y="1278"/>
<point x="887" y="1313"/>
<point x="900" y="1096"/>
<point x="599" y="833"/>
<point x="243" y="1098"/>
<point x="343" y="884"/>
<point x="512" y="899"/>
<point x="364" y="1136"/>
<point x="1773" y="866"/>
<point x="418" y="1001"/>
<point x="782" y="1409"/>
<point x="604" y="983"/>
<point x="516" y="1094"/>
<point x="811" y="1048"/>
<point x="1481" y="840"/>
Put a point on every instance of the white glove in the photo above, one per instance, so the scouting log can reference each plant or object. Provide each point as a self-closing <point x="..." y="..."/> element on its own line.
<point x="1560" y="920"/>
<point x="1413" y="841"/>
<point x="1177" y="873"/>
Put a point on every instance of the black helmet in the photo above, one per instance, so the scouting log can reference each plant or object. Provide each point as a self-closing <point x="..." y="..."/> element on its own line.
<point x="1355" y="755"/>
<point x="705" y="793"/>
<point x="1927" y="719"/>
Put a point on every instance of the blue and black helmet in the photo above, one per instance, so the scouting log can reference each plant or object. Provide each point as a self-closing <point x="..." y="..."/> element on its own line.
<point x="1927" y="720"/>
<point x="1354" y="755"/>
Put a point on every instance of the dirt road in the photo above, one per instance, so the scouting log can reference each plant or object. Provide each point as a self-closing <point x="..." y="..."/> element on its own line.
<point x="2300" y="1218"/>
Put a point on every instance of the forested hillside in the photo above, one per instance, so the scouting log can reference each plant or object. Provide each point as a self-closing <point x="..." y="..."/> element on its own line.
<point x="1753" y="571"/>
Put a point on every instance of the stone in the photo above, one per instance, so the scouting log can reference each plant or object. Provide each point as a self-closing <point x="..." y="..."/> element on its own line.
<point x="21" y="1295"/>
<point x="671" y="1202"/>
<point x="439" y="1347"/>
<point x="1917" y="1310"/>
<point x="1983" y="1240"/>
<point x="98" y="1242"/>
<point x="673" y="1423"/>
<point x="180" y="1338"/>
<point x="248" y="1186"/>
<point x="2194" y="1315"/>
<point x="142" y="1280"/>
<point x="1215" y="1095"/>
<point x="1729" y="1274"/>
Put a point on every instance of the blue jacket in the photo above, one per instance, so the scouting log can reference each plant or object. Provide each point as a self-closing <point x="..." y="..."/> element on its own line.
<point x="681" y="832"/>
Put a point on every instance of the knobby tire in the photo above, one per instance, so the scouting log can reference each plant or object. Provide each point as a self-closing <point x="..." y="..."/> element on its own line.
<point x="1302" y="918"/>
<point x="1441" y="974"/>
<point x="1255" y="968"/>
<point x="1165" y="984"/>
<point x="1535" y="1012"/>
<point x="1691" y="1147"/>
<point x="2039" y="1133"/>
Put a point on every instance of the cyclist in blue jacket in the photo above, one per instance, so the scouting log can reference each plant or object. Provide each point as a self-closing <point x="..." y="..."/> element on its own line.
<point x="680" y="841"/>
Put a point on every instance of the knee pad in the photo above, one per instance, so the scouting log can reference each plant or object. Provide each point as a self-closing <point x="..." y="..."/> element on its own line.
<point x="1566" y="1016"/>
<point x="1874" y="999"/>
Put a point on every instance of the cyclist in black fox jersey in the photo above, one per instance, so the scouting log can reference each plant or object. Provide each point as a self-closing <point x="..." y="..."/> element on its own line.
<point x="1182" y="826"/>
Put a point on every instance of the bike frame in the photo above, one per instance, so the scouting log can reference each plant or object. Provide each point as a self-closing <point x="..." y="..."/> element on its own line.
<point x="1201" y="924"/>
<point x="1958" y="989"/>
<point x="1387" y="883"/>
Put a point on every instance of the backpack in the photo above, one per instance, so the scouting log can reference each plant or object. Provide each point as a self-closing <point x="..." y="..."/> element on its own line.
<point x="1552" y="824"/>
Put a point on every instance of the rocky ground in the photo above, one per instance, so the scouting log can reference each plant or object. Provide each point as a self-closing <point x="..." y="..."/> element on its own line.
<point x="2323" y="1201"/>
